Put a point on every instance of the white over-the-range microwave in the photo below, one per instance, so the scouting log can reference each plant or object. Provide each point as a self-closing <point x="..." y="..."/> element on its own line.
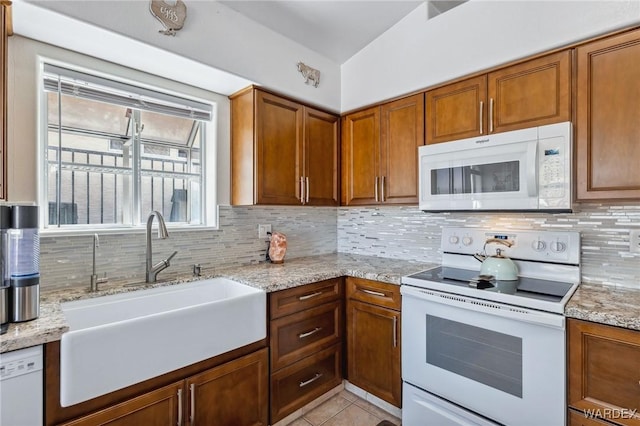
<point x="526" y="170"/>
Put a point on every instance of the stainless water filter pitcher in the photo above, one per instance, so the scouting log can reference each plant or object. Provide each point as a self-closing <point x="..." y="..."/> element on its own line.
<point x="24" y="263"/>
<point x="5" y="224"/>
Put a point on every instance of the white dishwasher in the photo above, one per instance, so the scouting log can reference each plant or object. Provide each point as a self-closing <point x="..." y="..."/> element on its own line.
<point x="21" y="394"/>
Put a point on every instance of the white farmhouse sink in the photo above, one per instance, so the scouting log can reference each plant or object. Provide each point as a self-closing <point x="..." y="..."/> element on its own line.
<point x="116" y="341"/>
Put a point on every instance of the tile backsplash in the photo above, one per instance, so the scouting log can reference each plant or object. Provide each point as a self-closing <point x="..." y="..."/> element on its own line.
<point x="391" y="232"/>
<point x="67" y="260"/>
<point x="407" y="233"/>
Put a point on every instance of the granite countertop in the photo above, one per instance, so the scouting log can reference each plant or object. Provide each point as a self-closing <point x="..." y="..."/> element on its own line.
<point x="51" y="323"/>
<point x="604" y="304"/>
<point x="598" y="303"/>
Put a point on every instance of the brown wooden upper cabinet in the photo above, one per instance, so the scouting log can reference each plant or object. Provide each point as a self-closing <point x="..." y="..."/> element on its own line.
<point x="282" y="152"/>
<point x="528" y="94"/>
<point x="607" y="121"/>
<point x="5" y="31"/>
<point x="380" y="153"/>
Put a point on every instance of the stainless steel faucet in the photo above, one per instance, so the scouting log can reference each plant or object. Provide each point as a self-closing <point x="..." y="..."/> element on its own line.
<point x="152" y="270"/>
<point x="94" y="276"/>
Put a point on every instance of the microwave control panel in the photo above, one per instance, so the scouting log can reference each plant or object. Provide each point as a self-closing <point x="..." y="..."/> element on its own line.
<point x="554" y="171"/>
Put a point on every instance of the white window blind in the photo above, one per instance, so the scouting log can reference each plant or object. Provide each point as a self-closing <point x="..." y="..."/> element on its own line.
<point x="79" y="84"/>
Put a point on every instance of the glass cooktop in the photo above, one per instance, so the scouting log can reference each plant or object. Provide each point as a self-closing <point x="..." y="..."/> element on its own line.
<point x="459" y="280"/>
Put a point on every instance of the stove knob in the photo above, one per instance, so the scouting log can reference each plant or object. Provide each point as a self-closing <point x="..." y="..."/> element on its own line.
<point x="454" y="239"/>
<point x="538" y="245"/>
<point x="467" y="241"/>
<point x="558" y="247"/>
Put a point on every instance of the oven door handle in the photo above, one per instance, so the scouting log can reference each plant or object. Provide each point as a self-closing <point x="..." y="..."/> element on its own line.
<point x="487" y="307"/>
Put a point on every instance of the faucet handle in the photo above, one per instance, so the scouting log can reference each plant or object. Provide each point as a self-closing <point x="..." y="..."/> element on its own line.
<point x="171" y="257"/>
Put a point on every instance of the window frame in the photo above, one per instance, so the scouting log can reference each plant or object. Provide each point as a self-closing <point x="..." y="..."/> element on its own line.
<point x="209" y="206"/>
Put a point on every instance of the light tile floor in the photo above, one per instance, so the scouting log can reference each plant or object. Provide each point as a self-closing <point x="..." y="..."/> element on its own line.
<point x="345" y="409"/>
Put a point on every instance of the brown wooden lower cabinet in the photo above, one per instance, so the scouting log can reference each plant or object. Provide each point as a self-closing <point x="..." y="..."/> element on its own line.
<point x="576" y="418"/>
<point x="302" y="382"/>
<point x="234" y="393"/>
<point x="159" y="407"/>
<point x="305" y="338"/>
<point x="373" y="342"/>
<point x="604" y="371"/>
<point x="373" y="338"/>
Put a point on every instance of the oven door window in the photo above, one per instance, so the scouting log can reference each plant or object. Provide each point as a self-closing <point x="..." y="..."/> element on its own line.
<point x="485" y="356"/>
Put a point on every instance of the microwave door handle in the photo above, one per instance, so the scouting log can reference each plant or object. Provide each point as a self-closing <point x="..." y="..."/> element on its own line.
<point x="532" y="168"/>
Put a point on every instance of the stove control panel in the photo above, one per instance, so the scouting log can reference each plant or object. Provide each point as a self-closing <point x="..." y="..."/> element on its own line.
<point x="544" y="246"/>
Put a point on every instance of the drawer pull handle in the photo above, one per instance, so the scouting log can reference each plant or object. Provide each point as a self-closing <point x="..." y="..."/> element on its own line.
<point x="309" y="333"/>
<point x="373" y="293"/>
<point x="193" y="404"/>
<point x="395" y="331"/>
<point x="311" y="380"/>
<point x="309" y="296"/>
<point x="179" y="407"/>
<point x="481" y="108"/>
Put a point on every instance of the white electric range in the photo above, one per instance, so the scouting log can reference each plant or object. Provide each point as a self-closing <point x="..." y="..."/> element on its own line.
<point x="490" y="354"/>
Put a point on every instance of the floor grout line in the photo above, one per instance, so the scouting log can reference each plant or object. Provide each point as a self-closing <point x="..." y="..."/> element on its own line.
<point x="350" y="403"/>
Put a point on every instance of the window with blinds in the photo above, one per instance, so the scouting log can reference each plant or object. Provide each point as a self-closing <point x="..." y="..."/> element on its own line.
<point x="116" y="151"/>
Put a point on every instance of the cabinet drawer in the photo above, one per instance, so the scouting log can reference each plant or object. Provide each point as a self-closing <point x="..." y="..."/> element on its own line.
<point x="304" y="381"/>
<point x="285" y="302"/>
<point x="298" y="335"/>
<point x="374" y="292"/>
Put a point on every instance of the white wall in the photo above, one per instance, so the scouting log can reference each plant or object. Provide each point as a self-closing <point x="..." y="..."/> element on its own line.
<point x="416" y="53"/>
<point x="214" y="38"/>
<point x="23" y="112"/>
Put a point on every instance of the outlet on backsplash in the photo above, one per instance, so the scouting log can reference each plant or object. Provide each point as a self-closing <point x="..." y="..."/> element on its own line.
<point x="634" y="241"/>
<point x="263" y="231"/>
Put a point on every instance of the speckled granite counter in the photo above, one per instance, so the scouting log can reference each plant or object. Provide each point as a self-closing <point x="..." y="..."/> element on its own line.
<point x="51" y="323"/>
<point x="606" y="305"/>
<point x="603" y="304"/>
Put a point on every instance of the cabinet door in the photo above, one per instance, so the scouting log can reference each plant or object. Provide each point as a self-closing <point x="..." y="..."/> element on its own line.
<point x="4" y="27"/>
<point x="533" y="93"/>
<point x="402" y="132"/>
<point x="604" y="371"/>
<point x="373" y="350"/>
<point x="159" y="407"/>
<point x="361" y="157"/>
<point x="278" y="150"/>
<point x="321" y="168"/>
<point x="456" y="111"/>
<point x="607" y="122"/>
<point x="235" y="393"/>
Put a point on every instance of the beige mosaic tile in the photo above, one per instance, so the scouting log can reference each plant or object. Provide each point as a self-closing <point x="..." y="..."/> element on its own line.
<point x="326" y="410"/>
<point x="376" y="411"/>
<point x="353" y="415"/>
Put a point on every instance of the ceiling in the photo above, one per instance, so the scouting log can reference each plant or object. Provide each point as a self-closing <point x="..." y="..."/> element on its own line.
<point x="335" y="29"/>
